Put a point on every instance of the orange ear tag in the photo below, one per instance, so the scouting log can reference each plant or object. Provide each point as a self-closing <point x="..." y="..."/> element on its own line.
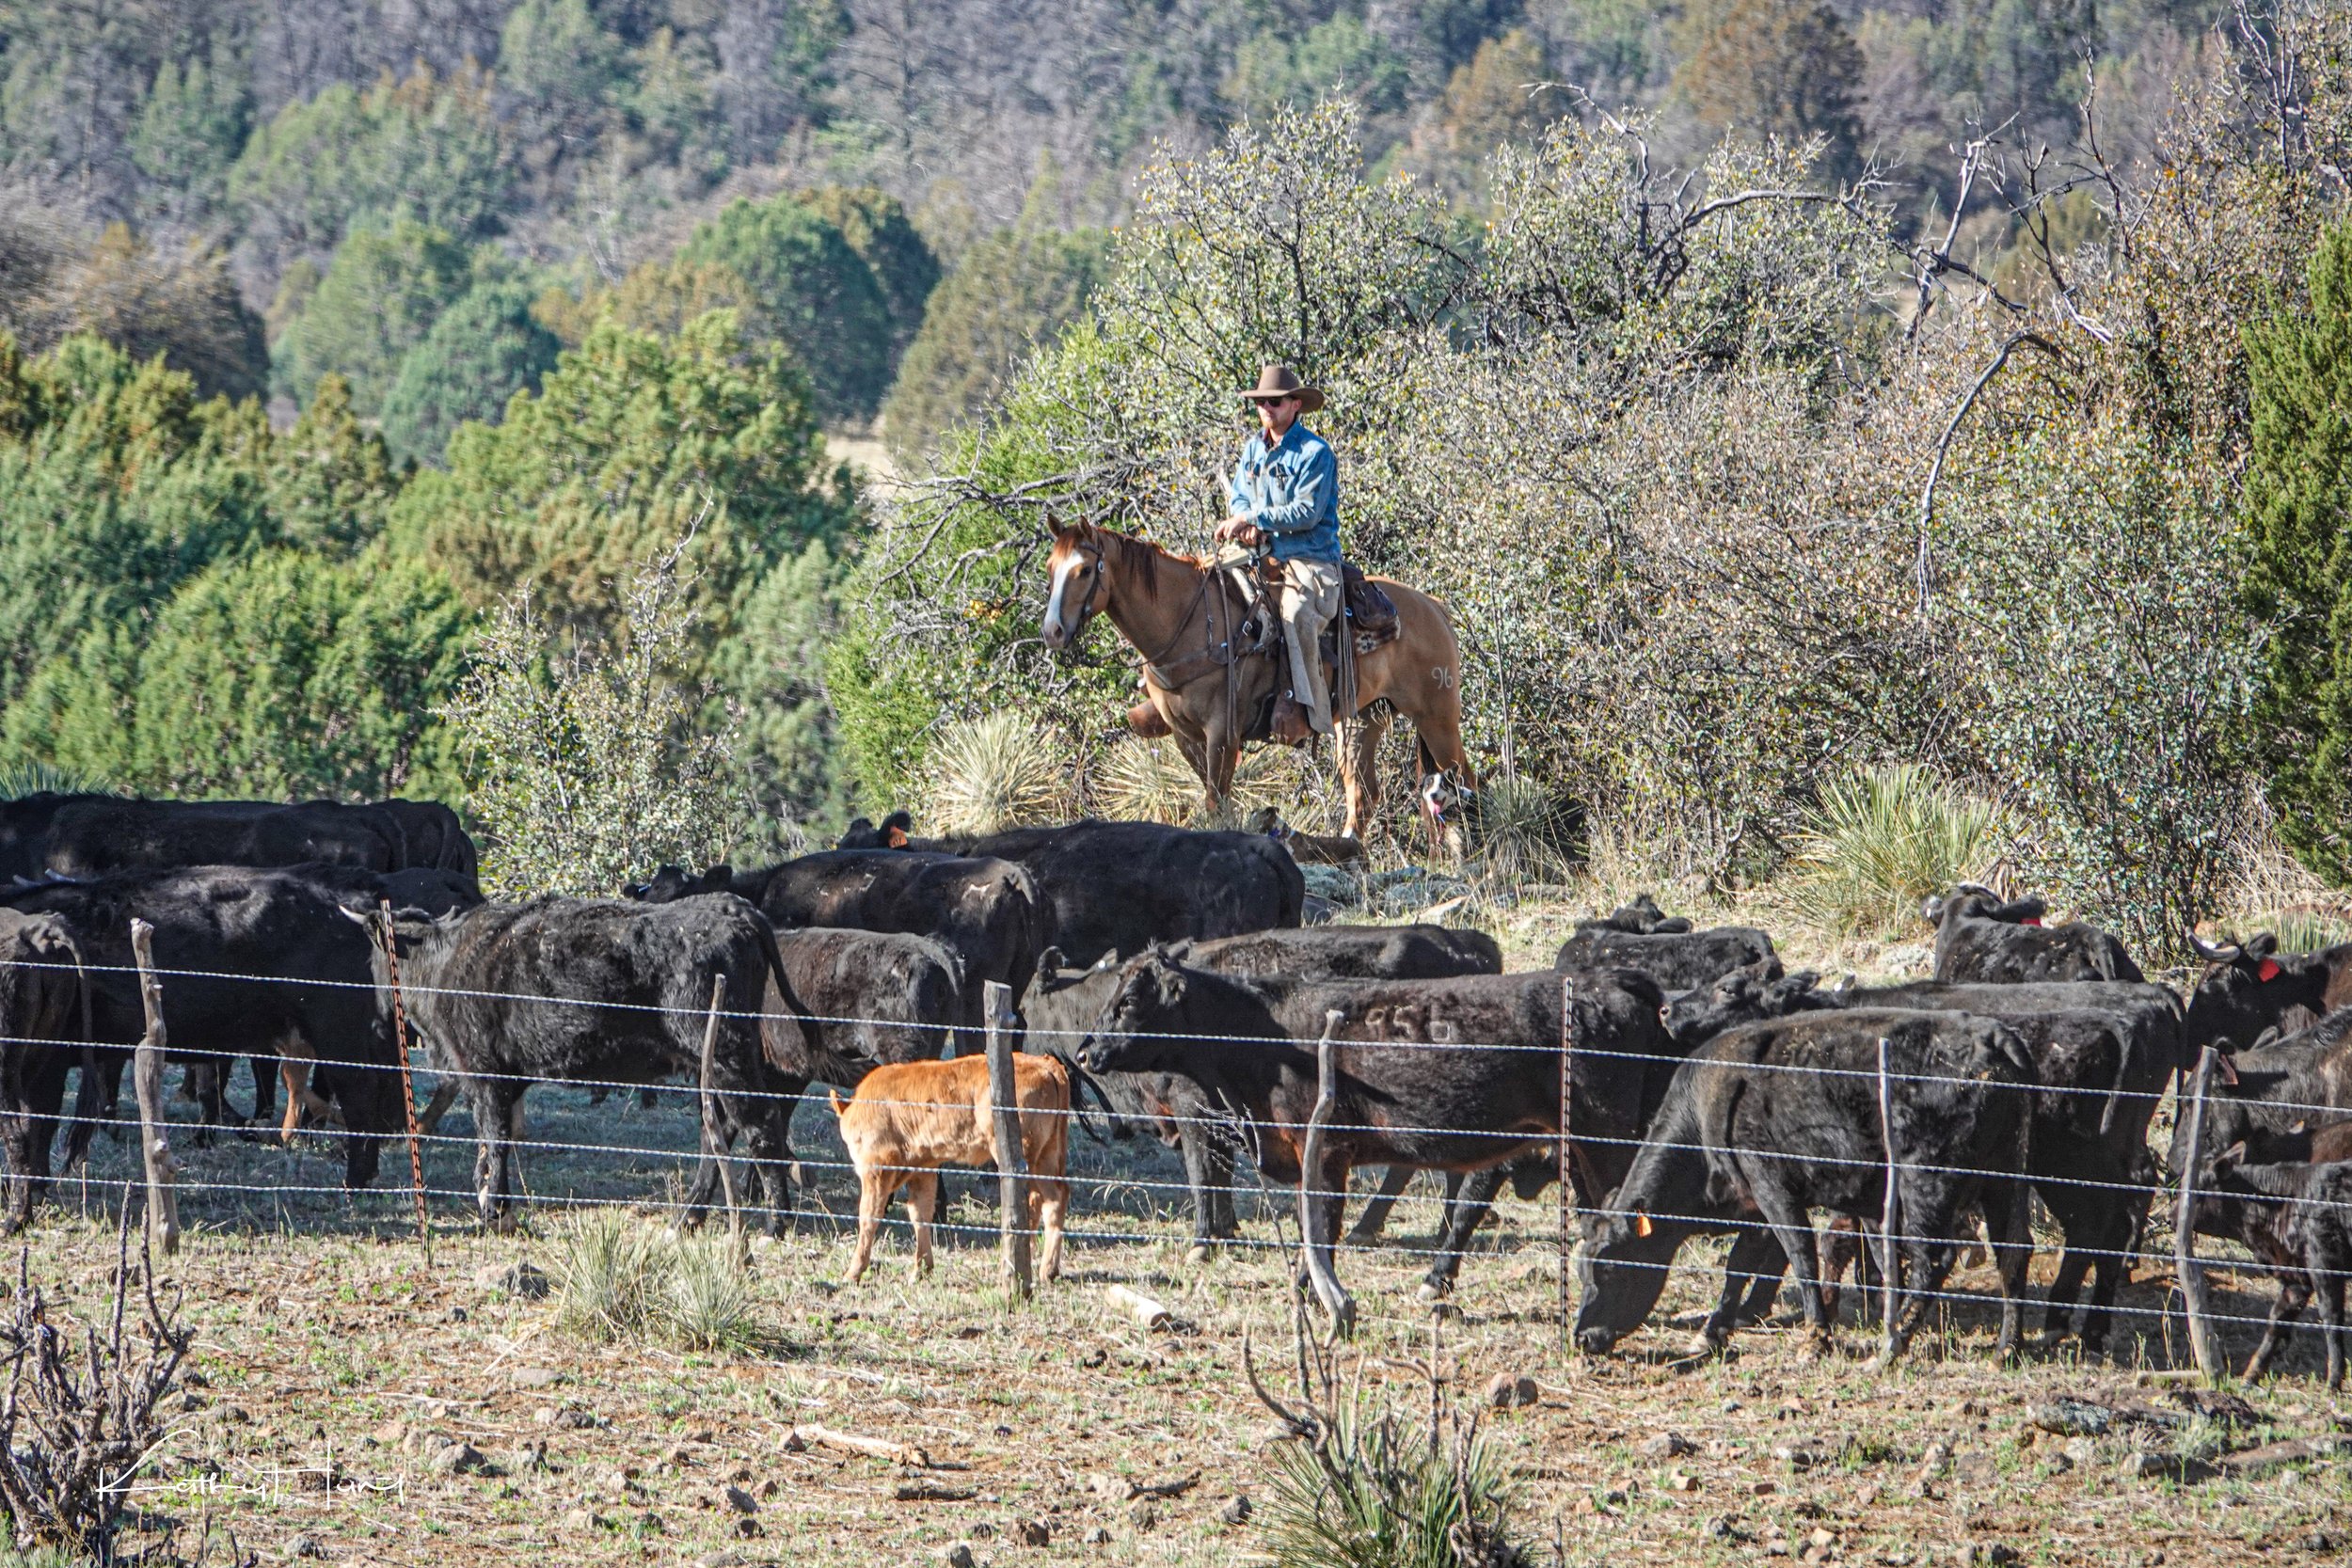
<point x="1642" y="1225"/>
<point x="898" y="838"/>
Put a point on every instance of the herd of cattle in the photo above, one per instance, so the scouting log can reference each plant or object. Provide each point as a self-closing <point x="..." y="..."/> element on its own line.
<point x="1168" y="976"/>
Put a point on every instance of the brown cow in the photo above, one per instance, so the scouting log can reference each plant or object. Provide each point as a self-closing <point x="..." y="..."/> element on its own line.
<point x="906" y="1121"/>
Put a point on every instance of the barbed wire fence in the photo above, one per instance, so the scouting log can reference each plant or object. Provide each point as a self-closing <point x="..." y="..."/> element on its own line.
<point x="654" y="1171"/>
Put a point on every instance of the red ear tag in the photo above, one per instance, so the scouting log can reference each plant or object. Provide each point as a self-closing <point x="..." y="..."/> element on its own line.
<point x="2031" y="920"/>
<point x="2266" y="970"/>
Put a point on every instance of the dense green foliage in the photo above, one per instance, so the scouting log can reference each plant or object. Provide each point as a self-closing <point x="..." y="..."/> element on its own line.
<point x="633" y="442"/>
<point x="479" y="353"/>
<point x="815" y="290"/>
<point x="2298" y="580"/>
<point x="1010" y="296"/>
<point x="595" y="758"/>
<point x="381" y="295"/>
<point x="185" y="613"/>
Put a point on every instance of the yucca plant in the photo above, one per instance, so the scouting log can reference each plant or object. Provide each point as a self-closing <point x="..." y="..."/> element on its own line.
<point x="608" y="1271"/>
<point x="1882" y="840"/>
<point x="992" y="773"/>
<point x="708" y="1302"/>
<point x="1523" y="832"/>
<point x="2303" y="930"/>
<point x="1370" y="1493"/>
<point x="19" y="779"/>
<point x="1146" y="781"/>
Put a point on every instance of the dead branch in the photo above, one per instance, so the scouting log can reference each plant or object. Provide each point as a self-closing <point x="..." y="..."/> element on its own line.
<point x="1923" y="570"/>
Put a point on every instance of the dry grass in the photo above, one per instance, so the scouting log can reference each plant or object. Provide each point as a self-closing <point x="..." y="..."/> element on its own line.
<point x="323" y="1340"/>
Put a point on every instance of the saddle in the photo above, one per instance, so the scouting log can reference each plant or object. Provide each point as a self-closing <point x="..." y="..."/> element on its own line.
<point x="1364" y="607"/>
<point x="1364" y="603"/>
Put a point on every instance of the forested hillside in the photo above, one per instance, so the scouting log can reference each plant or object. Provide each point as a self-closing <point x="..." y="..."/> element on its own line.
<point x="336" y="326"/>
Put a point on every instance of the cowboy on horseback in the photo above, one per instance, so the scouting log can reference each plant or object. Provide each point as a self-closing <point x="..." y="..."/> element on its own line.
<point x="1285" y="494"/>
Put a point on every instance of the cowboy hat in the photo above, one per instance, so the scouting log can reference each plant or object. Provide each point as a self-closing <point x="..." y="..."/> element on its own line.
<point x="1280" y="381"/>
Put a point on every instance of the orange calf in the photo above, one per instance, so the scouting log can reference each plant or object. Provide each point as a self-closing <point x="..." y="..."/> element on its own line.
<point x="906" y="1121"/>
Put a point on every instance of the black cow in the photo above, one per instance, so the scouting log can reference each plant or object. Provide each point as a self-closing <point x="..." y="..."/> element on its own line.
<point x="2250" y="986"/>
<point x="2276" y="1084"/>
<point x="506" y="995"/>
<point x="96" y="835"/>
<point x="43" y="1007"/>
<point x="277" y="967"/>
<point x="2297" y="1220"/>
<point x="1457" y="1074"/>
<point x="1350" y="953"/>
<point x="1122" y="886"/>
<point x="1065" y="1001"/>
<point x="86" y="835"/>
<point x="1983" y="940"/>
<point x="1665" y="948"/>
<point x="433" y="838"/>
<point x="2103" y="1053"/>
<point x="1774" y="1118"/>
<point x="986" y="912"/>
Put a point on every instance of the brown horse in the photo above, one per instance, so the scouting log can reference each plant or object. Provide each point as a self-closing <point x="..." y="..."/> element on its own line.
<point x="1183" y="617"/>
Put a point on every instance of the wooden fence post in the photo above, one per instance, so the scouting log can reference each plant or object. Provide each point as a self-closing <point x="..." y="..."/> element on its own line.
<point x="1311" y="1200"/>
<point x="147" y="1075"/>
<point x="407" y="1086"/>
<point x="1890" y="1216"/>
<point x="2202" y="1338"/>
<point x="715" y="1148"/>
<point x="1012" y="1162"/>
<point x="1568" y="1102"/>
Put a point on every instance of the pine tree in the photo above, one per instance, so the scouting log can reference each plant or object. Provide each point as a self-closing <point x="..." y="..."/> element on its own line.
<point x="481" y="352"/>
<point x="2299" y="487"/>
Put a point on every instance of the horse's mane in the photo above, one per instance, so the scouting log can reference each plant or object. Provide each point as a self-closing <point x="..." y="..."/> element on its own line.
<point x="1143" y="554"/>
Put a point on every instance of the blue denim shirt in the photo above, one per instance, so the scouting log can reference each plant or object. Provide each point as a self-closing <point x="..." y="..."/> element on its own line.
<point x="1292" y="490"/>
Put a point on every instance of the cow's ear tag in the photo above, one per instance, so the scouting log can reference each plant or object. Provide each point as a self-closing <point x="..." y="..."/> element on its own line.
<point x="1642" y="1225"/>
<point x="2031" y="920"/>
<point x="898" y="838"/>
<point x="2267" y="970"/>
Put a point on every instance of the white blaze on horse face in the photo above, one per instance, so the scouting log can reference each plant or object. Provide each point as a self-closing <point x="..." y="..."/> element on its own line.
<point x="1056" y="625"/>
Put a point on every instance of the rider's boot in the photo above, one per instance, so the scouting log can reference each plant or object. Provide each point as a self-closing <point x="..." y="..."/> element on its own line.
<point x="1292" y="726"/>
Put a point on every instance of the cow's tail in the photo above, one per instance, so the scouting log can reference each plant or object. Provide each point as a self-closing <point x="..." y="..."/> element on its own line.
<point x="799" y="1009"/>
<point x="2126" y="1036"/>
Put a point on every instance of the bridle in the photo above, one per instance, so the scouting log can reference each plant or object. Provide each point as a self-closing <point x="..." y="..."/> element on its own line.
<point x="1085" y="610"/>
<point x="1086" y="606"/>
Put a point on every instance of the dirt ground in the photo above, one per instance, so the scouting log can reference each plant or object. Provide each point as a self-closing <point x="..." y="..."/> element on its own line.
<point x="334" y="1370"/>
